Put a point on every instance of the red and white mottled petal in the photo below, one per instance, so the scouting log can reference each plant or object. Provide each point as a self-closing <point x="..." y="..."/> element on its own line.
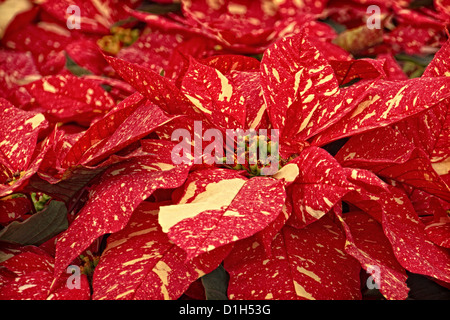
<point x="202" y="185"/>
<point x="389" y="154"/>
<point x="86" y="53"/>
<point x="28" y="262"/>
<point x="267" y="235"/>
<point x="411" y="39"/>
<point x="402" y="226"/>
<point x="14" y="208"/>
<point x="365" y="68"/>
<point x="223" y="213"/>
<point x="146" y="263"/>
<point x="249" y="85"/>
<point x="96" y="16"/>
<point x="387" y="102"/>
<point x="232" y="62"/>
<point x="152" y="49"/>
<point x="159" y="90"/>
<point x="214" y="95"/>
<point x="45" y="42"/>
<point x="145" y="119"/>
<point x="426" y="205"/>
<point x="392" y="68"/>
<point x="113" y="199"/>
<point x="300" y="87"/>
<point x="63" y="292"/>
<point x="407" y="235"/>
<point x="439" y="66"/>
<point x="18" y="135"/>
<point x="292" y="272"/>
<point x="430" y="130"/>
<point x="31" y="286"/>
<point x="367" y="243"/>
<point x="16" y="69"/>
<point x="320" y="183"/>
<point x="102" y="129"/>
<point x="161" y="22"/>
<point x="366" y="196"/>
<point x="25" y="176"/>
<point x="68" y="98"/>
<point x="33" y="270"/>
<point x="439" y="232"/>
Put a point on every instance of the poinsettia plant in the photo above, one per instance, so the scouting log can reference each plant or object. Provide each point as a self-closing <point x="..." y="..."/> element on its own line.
<point x="224" y="150"/>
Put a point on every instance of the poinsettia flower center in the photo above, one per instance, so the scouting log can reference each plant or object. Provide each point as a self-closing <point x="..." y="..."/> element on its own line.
<point x="88" y="265"/>
<point x="40" y="200"/>
<point x="255" y="153"/>
<point x="15" y="176"/>
<point x="119" y="37"/>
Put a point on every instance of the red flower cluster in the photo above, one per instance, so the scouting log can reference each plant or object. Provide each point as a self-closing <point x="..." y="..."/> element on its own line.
<point x="92" y="205"/>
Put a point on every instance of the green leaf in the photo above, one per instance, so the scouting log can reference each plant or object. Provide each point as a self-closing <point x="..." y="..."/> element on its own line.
<point x="216" y="284"/>
<point x="339" y="28"/>
<point x="415" y="4"/>
<point x="160" y="9"/>
<point x="39" y="228"/>
<point x="124" y="22"/>
<point x="74" y="68"/>
<point x="422" y="61"/>
<point x="74" y="180"/>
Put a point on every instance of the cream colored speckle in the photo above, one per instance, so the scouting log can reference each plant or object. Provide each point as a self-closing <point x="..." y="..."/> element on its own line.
<point x="289" y="173"/>
<point x="35" y="121"/>
<point x="301" y="292"/>
<point x="216" y="196"/>
<point x="48" y="87"/>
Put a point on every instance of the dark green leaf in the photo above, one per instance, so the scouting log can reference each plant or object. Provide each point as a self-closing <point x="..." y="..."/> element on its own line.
<point x="423" y="288"/>
<point x="420" y="3"/>
<point x="216" y="284"/>
<point x="339" y="28"/>
<point x="124" y="22"/>
<point x="39" y="228"/>
<point x="74" y="68"/>
<point x="75" y="179"/>
<point x="156" y="8"/>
